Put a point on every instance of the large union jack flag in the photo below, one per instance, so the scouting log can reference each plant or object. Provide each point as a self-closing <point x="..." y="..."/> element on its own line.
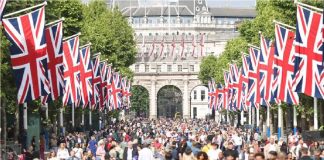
<point x="54" y="36"/>
<point x="284" y="66"/>
<point x="85" y="80"/>
<point x="253" y="87"/>
<point x="236" y="89"/>
<point x="2" y="6"/>
<point x="228" y="91"/>
<point x="96" y="80"/>
<point x="28" y="54"/>
<point x="126" y="91"/>
<point x="71" y="73"/>
<point x="211" y="94"/>
<point x="116" y="91"/>
<point x="103" y="85"/>
<point x="309" y="72"/>
<point x="244" y="75"/>
<point x="221" y="97"/>
<point x="265" y="67"/>
<point x="109" y="80"/>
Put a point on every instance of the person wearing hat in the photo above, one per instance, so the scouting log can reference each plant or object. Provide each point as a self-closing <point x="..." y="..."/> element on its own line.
<point x="230" y="151"/>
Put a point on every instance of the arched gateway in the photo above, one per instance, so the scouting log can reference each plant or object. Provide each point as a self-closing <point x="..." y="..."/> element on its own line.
<point x="169" y="102"/>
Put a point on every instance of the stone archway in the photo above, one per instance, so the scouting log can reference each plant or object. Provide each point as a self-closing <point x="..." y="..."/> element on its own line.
<point x="140" y="101"/>
<point x="169" y="102"/>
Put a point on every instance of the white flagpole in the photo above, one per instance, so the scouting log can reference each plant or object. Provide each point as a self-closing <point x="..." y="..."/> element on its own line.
<point x="227" y="116"/>
<point x="73" y="115"/>
<point x="279" y="121"/>
<point x="250" y="115"/>
<point x="242" y="117"/>
<point x="25" y="116"/>
<point x="268" y="122"/>
<point x="26" y="9"/>
<point x="315" y="114"/>
<point x="46" y="112"/>
<point x="82" y="118"/>
<point x="258" y="119"/>
<point x="295" y="120"/>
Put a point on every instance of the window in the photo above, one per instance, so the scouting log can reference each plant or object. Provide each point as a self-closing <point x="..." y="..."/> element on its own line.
<point x="202" y="95"/>
<point x="169" y="68"/>
<point x="147" y="67"/>
<point x="192" y="68"/>
<point x="195" y="95"/>
<point x="179" y="68"/>
<point x="136" y="68"/>
<point x="158" y="69"/>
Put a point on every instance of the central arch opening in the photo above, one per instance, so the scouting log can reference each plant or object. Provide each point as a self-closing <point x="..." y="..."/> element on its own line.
<point x="169" y="102"/>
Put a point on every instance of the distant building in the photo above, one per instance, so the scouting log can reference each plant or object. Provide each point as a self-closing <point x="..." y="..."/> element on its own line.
<point x="183" y="32"/>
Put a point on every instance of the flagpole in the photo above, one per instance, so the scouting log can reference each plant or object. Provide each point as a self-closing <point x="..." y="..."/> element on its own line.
<point x="250" y="116"/>
<point x="308" y="6"/>
<point x="66" y="38"/>
<point x="88" y="44"/>
<point x="61" y="119"/>
<point x="82" y="118"/>
<point x="242" y="117"/>
<point x="90" y="118"/>
<point x="46" y="112"/>
<point x="25" y="116"/>
<point x="268" y="122"/>
<point x="54" y="22"/>
<point x="283" y="24"/>
<point x="72" y="115"/>
<point x="26" y="9"/>
<point x="258" y="119"/>
<point x="279" y="121"/>
<point x="315" y="114"/>
<point x="227" y="116"/>
<point x="295" y="120"/>
<point x="253" y="46"/>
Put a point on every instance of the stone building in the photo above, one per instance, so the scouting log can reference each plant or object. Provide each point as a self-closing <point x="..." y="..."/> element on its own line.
<point x="182" y="33"/>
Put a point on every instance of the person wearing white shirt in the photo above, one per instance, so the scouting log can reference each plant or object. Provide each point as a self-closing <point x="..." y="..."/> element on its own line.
<point x="145" y="153"/>
<point x="62" y="152"/>
<point x="213" y="152"/>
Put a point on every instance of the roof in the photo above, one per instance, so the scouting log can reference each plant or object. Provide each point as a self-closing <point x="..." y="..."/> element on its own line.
<point x="184" y="8"/>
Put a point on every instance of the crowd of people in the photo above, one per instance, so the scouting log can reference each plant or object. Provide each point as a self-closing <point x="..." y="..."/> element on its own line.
<point x="169" y="139"/>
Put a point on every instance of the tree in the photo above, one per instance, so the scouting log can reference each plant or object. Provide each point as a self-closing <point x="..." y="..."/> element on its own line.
<point x="139" y="100"/>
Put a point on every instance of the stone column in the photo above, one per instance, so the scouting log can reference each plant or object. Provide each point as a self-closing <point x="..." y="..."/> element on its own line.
<point x="185" y="105"/>
<point x="153" y="109"/>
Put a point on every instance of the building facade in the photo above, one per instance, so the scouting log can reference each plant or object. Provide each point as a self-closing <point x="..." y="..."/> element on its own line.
<point x="172" y="39"/>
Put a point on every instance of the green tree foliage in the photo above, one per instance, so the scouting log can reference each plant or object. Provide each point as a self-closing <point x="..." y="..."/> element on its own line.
<point x="139" y="99"/>
<point x="115" y="41"/>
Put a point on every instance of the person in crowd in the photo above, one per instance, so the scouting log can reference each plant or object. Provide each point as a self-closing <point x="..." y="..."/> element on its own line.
<point x="73" y="156"/>
<point x="272" y="155"/>
<point x="62" y="152"/>
<point x="92" y="145"/>
<point x="259" y="156"/>
<point x="271" y="146"/>
<point x="130" y="152"/>
<point x="304" y="154"/>
<point x="101" y="152"/>
<point x="230" y="151"/>
<point x="52" y="156"/>
<point x="202" y="156"/>
<point x="78" y="151"/>
<point x="213" y="153"/>
<point x="145" y="153"/>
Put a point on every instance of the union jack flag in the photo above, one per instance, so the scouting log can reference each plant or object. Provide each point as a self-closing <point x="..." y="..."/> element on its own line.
<point x="265" y="67"/>
<point x="202" y="44"/>
<point x="85" y="76"/>
<point x="284" y="66"/>
<point x="162" y="48"/>
<point x="309" y="67"/>
<point x="109" y="80"/>
<point x="2" y="5"/>
<point x="211" y="94"/>
<point x="254" y="78"/>
<point x="152" y="47"/>
<point x="96" y="81"/>
<point x="222" y="97"/>
<point x="244" y="81"/>
<point x="234" y="79"/>
<point x="28" y="54"/>
<point x="126" y="91"/>
<point x="103" y="85"/>
<point x="182" y="45"/>
<point x="53" y="36"/>
<point x="71" y="73"/>
<point x="173" y="45"/>
<point x="228" y="89"/>
<point x="194" y="45"/>
<point x="116" y="93"/>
